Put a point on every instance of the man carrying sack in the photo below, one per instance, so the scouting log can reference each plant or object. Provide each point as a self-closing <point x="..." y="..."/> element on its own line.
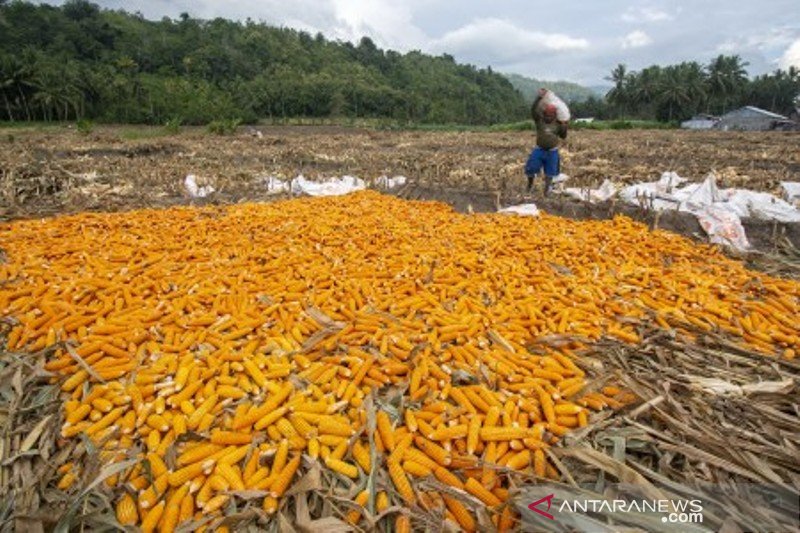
<point x="550" y="117"/>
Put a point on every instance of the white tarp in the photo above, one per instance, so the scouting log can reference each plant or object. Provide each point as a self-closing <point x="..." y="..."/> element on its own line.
<point x="558" y="183"/>
<point x="385" y="182"/>
<point x="694" y="196"/>
<point x="722" y="226"/>
<point x="329" y="187"/>
<point x="606" y="191"/>
<point x="195" y="190"/>
<point x="718" y="210"/>
<point x="276" y="185"/>
<point x="791" y="192"/>
<point x="762" y="205"/>
<point x="528" y="210"/>
<point x="658" y="195"/>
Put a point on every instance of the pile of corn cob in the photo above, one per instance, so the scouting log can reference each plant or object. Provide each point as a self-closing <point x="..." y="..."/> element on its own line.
<point x="230" y="349"/>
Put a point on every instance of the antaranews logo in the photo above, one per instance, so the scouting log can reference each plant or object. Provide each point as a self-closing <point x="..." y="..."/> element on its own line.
<point x="582" y="510"/>
<point x="535" y="506"/>
<point x="678" y="511"/>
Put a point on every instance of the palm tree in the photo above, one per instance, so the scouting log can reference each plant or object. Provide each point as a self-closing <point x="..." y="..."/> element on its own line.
<point x="646" y="87"/>
<point x="7" y="82"/>
<point x="694" y="78"/>
<point x="727" y="79"/>
<point x="57" y="93"/>
<point x="674" y="93"/>
<point x="620" y="93"/>
<point x="16" y="83"/>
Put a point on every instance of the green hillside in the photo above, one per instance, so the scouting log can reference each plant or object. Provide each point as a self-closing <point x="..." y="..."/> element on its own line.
<point x="568" y="91"/>
<point x="80" y="61"/>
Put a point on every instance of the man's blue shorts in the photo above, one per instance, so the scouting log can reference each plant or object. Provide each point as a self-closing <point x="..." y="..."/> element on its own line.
<point x="543" y="158"/>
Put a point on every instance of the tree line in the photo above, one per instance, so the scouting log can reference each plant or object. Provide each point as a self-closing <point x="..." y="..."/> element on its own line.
<point x="678" y="92"/>
<point x="80" y="61"/>
<point x="567" y="91"/>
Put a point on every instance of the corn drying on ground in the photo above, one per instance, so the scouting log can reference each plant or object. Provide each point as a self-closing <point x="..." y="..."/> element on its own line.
<point x="387" y="346"/>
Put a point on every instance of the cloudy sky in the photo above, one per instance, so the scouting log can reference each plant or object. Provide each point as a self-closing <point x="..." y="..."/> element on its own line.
<point x="563" y="39"/>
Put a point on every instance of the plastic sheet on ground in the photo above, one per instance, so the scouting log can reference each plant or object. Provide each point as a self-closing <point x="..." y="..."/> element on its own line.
<point x="529" y="210"/>
<point x="606" y="191"/>
<point x="558" y="183"/>
<point x="329" y="187"/>
<point x="719" y="211"/>
<point x="658" y="195"/>
<point x="387" y="183"/>
<point x="276" y="185"/>
<point x="791" y="192"/>
<point x="722" y="226"/>
<point x="762" y="205"/>
<point x="195" y="190"/>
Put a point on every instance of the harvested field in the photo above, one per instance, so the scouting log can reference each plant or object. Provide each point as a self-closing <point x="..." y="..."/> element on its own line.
<point x="268" y="365"/>
<point x="55" y="170"/>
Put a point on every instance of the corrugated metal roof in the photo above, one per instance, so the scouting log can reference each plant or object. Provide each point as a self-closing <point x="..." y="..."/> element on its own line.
<point x="763" y="112"/>
<point x="698" y="124"/>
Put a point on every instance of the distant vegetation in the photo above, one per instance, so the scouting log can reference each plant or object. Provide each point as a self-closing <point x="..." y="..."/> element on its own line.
<point x="619" y="124"/>
<point x="78" y="61"/>
<point x="677" y="92"/>
<point x="568" y="91"/>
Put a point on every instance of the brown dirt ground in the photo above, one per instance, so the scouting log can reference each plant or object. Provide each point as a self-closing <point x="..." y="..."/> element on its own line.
<point x="43" y="171"/>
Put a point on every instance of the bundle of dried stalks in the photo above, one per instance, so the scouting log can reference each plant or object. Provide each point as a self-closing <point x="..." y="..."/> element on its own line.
<point x="714" y="420"/>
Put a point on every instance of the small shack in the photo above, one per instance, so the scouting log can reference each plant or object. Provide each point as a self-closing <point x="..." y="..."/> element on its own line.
<point x="700" y="122"/>
<point x="750" y="118"/>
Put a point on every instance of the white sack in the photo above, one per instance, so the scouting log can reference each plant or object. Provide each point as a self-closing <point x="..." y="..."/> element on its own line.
<point x="329" y="187"/>
<point x="194" y="190"/>
<point x="385" y="182"/>
<point x="529" y="210"/>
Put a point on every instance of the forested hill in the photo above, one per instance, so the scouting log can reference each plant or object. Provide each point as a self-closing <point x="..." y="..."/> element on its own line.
<point x="568" y="91"/>
<point x="80" y="61"/>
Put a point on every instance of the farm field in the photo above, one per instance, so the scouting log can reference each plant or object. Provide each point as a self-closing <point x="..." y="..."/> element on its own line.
<point x="57" y="170"/>
<point x="372" y="363"/>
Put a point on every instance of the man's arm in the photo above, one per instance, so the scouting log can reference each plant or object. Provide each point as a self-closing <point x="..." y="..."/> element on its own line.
<point x="562" y="129"/>
<point x="536" y="113"/>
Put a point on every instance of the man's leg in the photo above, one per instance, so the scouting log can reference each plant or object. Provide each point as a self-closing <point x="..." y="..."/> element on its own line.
<point x="533" y="166"/>
<point x="548" y="184"/>
<point x="552" y="166"/>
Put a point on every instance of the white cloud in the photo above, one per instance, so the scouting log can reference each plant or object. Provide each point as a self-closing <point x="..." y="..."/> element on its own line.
<point x="727" y="47"/>
<point x="774" y="39"/>
<point x="636" y="39"/>
<point x="499" y="41"/>
<point x="390" y="24"/>
<point x="638" y="15"/>
<point x="586" y="47"/>
<point x="791" y="57"/>
<point x="387" y="22"/>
